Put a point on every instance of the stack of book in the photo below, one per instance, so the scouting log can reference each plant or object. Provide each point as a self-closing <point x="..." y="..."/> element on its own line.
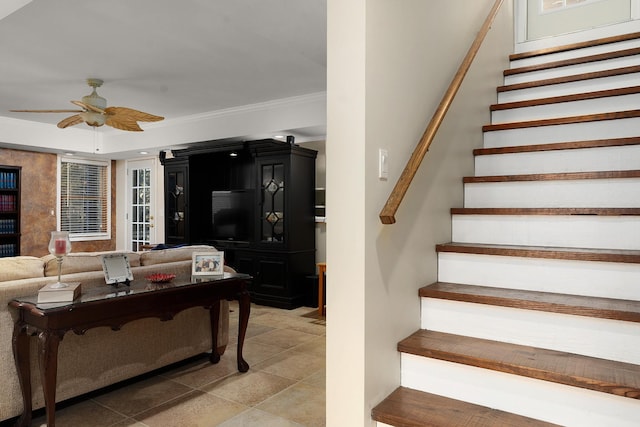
<point x="66" y="294"/>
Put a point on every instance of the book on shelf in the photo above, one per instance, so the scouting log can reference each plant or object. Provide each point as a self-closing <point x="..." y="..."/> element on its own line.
<point x="66" y="294"/>
<point x="7" y="226"/>
<point x="7" y="202"/>
<point x="8" y="180"/>
<point x="8" y="250"/>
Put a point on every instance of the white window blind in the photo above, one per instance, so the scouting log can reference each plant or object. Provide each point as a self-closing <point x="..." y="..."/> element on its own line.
<point x="85" y="198"/>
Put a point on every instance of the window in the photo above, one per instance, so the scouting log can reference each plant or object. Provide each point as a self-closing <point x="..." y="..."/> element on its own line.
<point x="549" y="5"/>
<point x="84" y="198"/>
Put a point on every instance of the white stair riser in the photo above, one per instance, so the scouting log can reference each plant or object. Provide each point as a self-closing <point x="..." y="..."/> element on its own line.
<point x="544" y="275"/>
<point x="544" y="400"/>
<point x="591" y="193"/>
<point x="574" y="108"/>
<point x="572" y="88"/>
<point x="620" y="128"/>
<point x="560" y="161"/>
<point x="572" y="69"/>
<point x="577" y="53"/>
<point x="570" y="231"/>
<point x="602" y="338"/>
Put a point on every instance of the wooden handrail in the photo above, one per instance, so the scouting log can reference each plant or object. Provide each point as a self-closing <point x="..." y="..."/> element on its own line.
<point x="387" y="215"/>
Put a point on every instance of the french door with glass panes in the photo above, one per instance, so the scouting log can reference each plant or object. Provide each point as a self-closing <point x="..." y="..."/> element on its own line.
<point x="141" y="212"/>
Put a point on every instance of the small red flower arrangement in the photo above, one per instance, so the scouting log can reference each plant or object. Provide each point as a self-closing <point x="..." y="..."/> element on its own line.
<point x="160" y="277"/>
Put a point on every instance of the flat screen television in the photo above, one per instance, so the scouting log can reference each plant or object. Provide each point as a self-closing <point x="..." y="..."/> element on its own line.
<point x="232" y="215"/>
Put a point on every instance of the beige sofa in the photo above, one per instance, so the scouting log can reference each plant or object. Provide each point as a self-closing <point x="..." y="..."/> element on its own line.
<point x="101" y="356"/>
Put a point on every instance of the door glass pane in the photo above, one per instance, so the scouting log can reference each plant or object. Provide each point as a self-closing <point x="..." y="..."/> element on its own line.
<point x="175" y="226"/>
<point x="273" y="196"/>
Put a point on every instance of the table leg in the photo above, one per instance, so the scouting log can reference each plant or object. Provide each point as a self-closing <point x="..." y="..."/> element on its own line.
<point x="321" y="270"/>
<point x="48" y="348"/>
<point x="22" y="359"/>
<point x="214" y="317"/>
<point x="245" y="308"/>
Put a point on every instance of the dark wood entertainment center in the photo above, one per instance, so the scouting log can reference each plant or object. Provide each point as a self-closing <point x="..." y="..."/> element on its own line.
<point x="254" y="200"/>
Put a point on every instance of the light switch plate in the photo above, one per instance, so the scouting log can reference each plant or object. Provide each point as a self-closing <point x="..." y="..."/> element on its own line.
<point x="383" y="164"/>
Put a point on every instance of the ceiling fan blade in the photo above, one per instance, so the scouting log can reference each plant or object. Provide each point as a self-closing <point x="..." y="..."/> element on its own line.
<point x="127" y="118"/>
<point x="46" y="111"/>
<point x="139" y="116"/>
<point x="124" y="124"/>
<point x="88" y="107"/>
<point x="71" y="121"/>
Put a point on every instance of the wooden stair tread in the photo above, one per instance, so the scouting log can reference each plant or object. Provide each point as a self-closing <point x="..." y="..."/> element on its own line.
<point x="547" y="211"/>
<point x="406" y="407"/>
<point x="596" y="143"/>
<point x="554" y="176"/>
<point x="577" y="305"/>
<point x="574" y="46"/>
<point x="617" y="378"/>
<point x="574" y="254"/>
<point x="584" y="118"/>
<point x="572" y="78"/>
<point x="573" y="61"/>
<point x="566" y="98"/>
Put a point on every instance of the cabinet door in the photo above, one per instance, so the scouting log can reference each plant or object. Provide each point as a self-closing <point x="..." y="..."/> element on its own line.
<point x="176" y="204"/>
<point x="280" y="279"/>
<point x="272" y="226"/>
<point x="273" y="274"/>
<point x="243" y="262"/>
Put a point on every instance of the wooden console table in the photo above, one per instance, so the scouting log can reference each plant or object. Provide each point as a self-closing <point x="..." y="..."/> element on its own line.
<point x="113" y="307"/>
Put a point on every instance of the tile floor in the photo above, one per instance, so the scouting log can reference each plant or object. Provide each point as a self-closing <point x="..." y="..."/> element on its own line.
<point x="285" y="385"/>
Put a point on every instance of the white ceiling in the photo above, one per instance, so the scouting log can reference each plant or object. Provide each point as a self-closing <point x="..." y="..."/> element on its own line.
<point x="177" y="59"/>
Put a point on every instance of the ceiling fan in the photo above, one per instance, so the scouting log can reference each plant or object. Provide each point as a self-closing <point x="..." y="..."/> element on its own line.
<point x="95" y="113"/>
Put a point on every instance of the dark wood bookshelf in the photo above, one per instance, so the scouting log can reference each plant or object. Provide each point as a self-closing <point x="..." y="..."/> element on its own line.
<point x="9" y="211"/>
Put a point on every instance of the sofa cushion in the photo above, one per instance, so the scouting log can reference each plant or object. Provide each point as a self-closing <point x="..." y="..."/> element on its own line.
<point x="182" y="253"/>
<point x="21" y="267"/>
<point x="83" y="261"/>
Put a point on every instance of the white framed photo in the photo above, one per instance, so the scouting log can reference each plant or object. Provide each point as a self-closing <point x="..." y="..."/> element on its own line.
<point x="116" y="268"/>
<point x="207" y="263"/>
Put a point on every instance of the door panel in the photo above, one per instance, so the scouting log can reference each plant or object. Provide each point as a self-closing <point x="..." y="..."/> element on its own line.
<point x="141" y="210"/>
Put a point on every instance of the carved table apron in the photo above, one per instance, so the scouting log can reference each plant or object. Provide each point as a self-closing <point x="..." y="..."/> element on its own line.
<point x="115" y="307"/>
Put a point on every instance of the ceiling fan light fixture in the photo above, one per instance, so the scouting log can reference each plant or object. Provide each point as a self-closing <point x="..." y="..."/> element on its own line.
<point x="93" y="119"/>
<point x="95" y="100"/>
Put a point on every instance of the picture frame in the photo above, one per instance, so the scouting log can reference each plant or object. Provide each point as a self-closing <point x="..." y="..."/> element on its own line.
<point x="116" y="268"/>
<point x="207" y="263"/>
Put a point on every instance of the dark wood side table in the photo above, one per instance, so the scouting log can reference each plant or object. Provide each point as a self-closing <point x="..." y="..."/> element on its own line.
<point x="114" y="307"/>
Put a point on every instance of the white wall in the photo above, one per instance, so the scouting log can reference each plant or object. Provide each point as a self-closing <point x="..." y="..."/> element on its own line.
<point x="389" y="63"/>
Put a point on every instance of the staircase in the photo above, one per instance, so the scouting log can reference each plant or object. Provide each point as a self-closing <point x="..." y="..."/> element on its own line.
<point x="535" y="318"/>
